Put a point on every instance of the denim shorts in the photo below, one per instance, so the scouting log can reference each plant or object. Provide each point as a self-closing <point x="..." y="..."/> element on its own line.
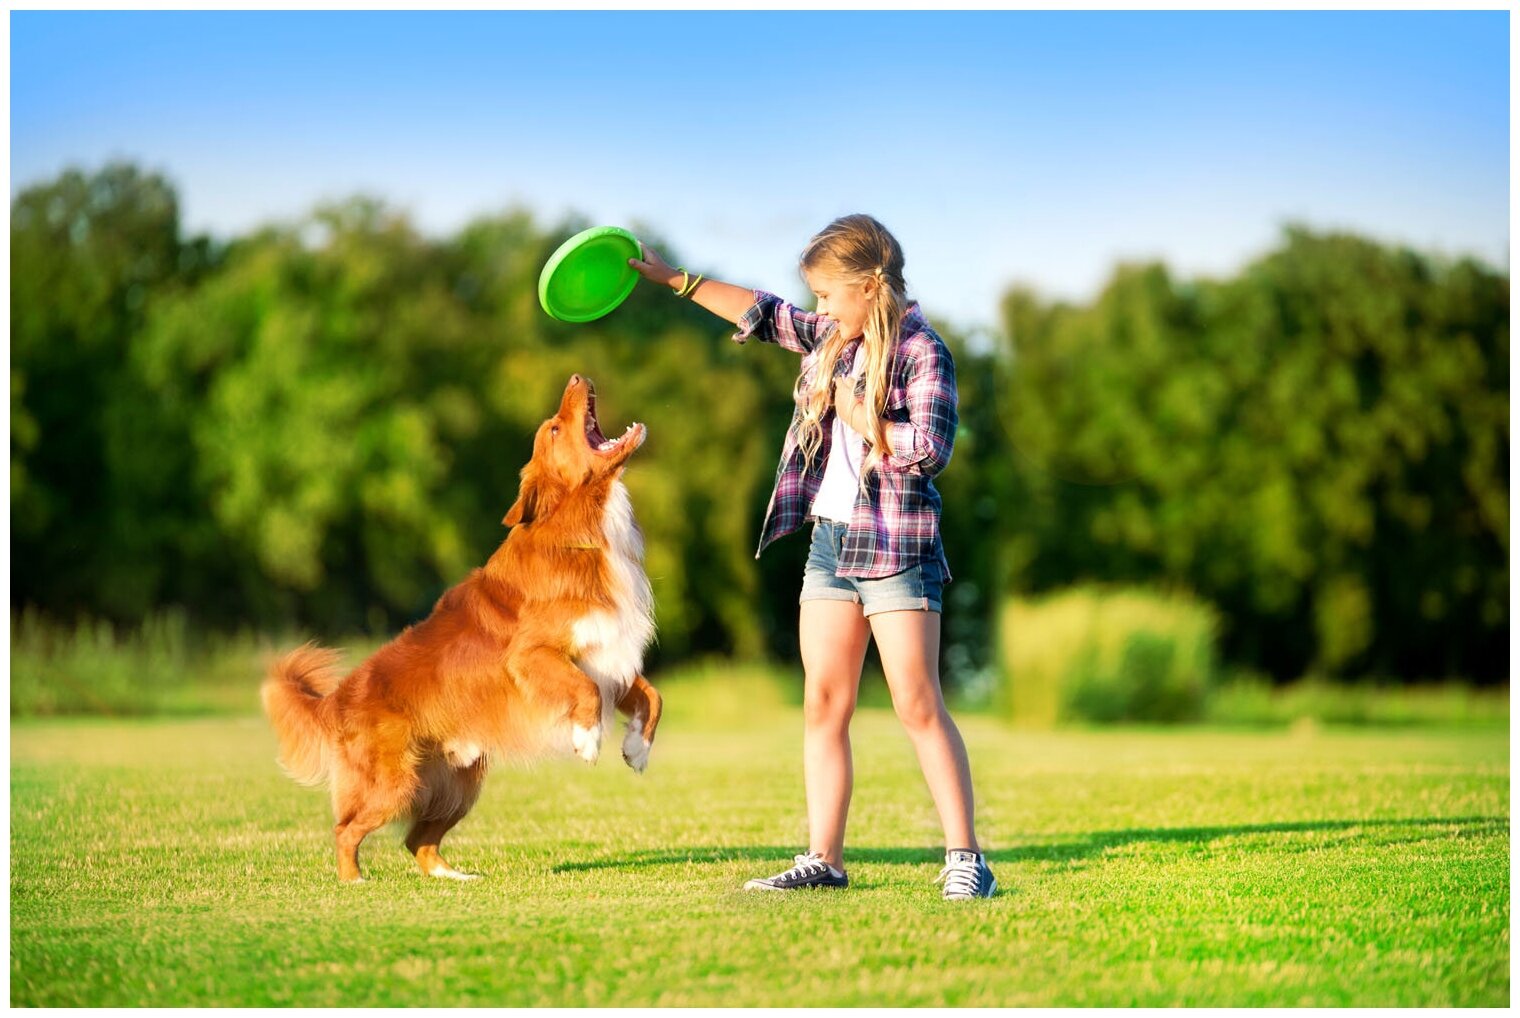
<point x="916" y="588"/>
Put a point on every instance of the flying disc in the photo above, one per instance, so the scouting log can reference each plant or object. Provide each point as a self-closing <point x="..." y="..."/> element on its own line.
<point x="589" y="274"/>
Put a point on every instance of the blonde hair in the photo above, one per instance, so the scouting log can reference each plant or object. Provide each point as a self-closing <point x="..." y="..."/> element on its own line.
<point x="856" y="249"/>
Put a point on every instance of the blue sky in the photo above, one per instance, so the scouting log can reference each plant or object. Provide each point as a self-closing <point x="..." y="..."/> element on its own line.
<point x="1000" y="147"/>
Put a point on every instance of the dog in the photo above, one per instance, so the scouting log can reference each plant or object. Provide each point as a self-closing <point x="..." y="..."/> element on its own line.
<point x="529" y="654"/>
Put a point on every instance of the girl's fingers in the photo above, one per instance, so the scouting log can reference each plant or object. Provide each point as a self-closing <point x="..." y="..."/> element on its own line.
<point x="650" y="263"/>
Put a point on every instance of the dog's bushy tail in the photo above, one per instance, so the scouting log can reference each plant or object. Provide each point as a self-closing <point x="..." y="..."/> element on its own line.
<point x="294" y="698"/>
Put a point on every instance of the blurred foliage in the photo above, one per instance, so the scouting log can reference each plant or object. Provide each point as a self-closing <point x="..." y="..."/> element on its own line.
<point x="1094" y="654"/>
<point x="318" y="426"/>
<point x="1318" y="446"/>
<point x="161" y="666"/>
<point x="1253" y="700"/>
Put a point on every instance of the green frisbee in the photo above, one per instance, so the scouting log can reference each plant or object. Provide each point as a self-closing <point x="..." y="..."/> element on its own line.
<point x="589" y="275"/>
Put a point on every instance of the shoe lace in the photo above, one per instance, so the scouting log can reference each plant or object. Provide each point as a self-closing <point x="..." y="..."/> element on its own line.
<point x="806" y="865"/>
<point x="960" y="876"/>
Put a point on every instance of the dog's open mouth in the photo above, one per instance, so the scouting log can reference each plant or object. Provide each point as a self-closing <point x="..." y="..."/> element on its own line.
<point x="599" y="442"/>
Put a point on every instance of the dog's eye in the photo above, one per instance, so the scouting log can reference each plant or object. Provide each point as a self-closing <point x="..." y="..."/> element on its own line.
<point x="554" y="430"/>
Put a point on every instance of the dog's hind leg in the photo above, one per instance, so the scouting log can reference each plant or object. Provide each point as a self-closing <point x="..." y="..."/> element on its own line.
<point x="350" y="832"/>
<point x="449" y="794"/>
<point x="368" y="796"/>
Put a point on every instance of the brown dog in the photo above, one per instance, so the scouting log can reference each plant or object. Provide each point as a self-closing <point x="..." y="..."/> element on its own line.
<point x="528" y="654"/>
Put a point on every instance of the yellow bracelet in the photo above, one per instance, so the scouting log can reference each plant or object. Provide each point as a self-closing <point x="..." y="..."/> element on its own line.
<point x="689" y="290"/>
<point x="684" y="277"/>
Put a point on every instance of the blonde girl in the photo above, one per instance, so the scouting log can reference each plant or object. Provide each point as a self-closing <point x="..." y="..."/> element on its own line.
<point x="875" y="421"/>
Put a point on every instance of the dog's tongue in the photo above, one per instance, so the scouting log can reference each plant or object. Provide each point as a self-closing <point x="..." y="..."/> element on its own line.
<point x="599" y="441"/>
<point x="608" y="444"/>
<point x="593" y="427"/>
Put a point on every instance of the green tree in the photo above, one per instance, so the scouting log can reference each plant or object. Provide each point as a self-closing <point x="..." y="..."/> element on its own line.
<point x="324" y="378"/>
<point x="1319" y="445"/>
<point x="322" y="423"/>
<point x="88" y="252"/>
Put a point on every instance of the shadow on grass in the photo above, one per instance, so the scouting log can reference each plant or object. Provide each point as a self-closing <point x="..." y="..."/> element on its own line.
<point x="1085" y="846"/>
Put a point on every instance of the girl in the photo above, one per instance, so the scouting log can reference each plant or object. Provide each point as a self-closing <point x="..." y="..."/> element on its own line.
<point x="875" y="421"/>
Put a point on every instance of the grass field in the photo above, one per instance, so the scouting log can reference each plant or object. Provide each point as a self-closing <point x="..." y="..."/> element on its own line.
<point x="169" y="862"/>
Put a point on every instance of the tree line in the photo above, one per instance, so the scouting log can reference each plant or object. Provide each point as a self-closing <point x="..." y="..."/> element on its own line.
<point x="319" y="425"/>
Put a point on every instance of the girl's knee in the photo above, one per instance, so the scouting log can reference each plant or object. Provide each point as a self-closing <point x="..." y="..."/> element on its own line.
<point x="826" y="708"/>
<point x="919" y="714"/>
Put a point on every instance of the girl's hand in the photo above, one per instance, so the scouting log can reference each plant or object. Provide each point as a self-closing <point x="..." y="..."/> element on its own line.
<point x="845" y="403"/>
<point x="725" y="300"/>
<point x="654" y="269"/>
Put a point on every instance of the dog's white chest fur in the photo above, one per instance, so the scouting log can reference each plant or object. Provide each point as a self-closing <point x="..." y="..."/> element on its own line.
<point x="609" y="645"/>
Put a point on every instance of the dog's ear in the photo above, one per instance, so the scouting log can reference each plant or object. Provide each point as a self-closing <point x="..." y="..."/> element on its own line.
<point x="537" y="495"/>
<point x="525" y="509"/>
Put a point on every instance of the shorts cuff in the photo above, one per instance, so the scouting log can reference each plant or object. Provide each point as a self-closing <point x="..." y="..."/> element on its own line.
<point x="827" y="594"/>
<point x="900" y="604"/>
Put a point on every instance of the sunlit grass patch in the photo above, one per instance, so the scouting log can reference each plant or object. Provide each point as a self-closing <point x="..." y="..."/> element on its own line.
<point x="168" y="862"/>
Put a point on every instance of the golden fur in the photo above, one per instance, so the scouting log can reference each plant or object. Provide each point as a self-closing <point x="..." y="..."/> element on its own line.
<point x="527" y="654"/>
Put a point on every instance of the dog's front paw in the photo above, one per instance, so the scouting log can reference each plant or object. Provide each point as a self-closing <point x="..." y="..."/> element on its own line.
<point x="587" y="742"/>
<point x="636" y="750"/>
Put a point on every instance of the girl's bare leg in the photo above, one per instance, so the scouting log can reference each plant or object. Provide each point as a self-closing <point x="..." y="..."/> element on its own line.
<point x="833" y="637"/>
<point x="908" y="642"/>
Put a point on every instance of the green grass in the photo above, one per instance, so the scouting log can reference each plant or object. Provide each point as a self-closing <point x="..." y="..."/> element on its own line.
<point x="163" y="667"/>
<point x="168" y="862"/>
<point x="167" y="668"/>
<point x="1248" y="700"/>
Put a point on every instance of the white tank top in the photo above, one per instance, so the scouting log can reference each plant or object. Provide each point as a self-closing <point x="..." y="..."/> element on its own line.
<point x="841" y="474"/>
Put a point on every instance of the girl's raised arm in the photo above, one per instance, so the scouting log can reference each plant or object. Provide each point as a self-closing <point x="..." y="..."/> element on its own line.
<point x="723" y="299"/>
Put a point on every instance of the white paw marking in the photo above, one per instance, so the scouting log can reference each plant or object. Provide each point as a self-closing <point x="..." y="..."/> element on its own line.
<point x="451" y="873"/>
<point x="587" y="742"/>
<point x="636" y="749"/>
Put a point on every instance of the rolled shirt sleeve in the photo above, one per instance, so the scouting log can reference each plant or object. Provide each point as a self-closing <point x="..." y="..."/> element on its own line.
<point x="923" y="443"/>
<point x="772" y="320"/>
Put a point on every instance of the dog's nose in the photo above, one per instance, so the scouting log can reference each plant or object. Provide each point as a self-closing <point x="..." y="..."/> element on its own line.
<point x="575" y="379"/>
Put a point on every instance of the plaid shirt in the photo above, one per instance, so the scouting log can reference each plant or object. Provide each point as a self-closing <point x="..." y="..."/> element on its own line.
<point x="895" y="524"/>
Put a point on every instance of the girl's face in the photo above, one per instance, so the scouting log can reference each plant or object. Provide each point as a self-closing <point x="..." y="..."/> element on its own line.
<point x="842" y="302"/>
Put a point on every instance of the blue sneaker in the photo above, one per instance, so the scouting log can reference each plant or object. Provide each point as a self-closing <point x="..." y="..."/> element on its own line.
<point x="810" y="871"/>
<point x="966" y="876"/>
